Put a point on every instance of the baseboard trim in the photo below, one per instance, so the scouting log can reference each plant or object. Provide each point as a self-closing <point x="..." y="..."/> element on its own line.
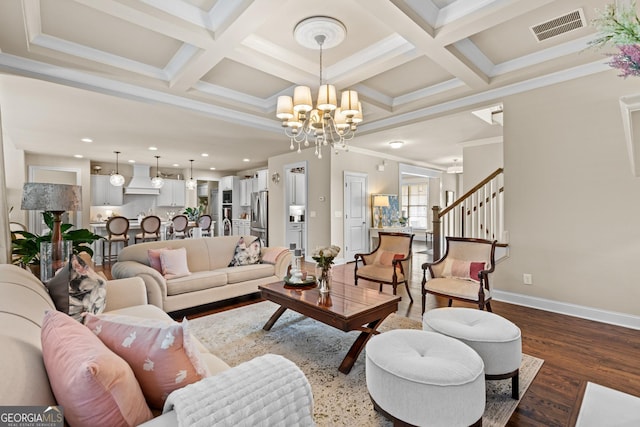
<point x="590" y="313"/>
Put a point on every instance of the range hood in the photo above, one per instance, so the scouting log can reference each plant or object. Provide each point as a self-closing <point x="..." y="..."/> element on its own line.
<point x="141" y="182"/>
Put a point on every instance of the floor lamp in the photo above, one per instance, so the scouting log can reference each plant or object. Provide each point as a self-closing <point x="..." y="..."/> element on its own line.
<point x="57" y="199"/>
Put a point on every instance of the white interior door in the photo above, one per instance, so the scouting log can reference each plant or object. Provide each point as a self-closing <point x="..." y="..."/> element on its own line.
<point x="355" y="214"/>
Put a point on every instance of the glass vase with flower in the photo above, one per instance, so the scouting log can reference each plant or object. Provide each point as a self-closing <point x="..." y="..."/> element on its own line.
<point x="324" y="257"/>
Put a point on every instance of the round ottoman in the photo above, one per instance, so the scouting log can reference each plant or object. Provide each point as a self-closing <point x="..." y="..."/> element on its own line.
<point x="420" y="378"/>
<point x="496" y="339"/>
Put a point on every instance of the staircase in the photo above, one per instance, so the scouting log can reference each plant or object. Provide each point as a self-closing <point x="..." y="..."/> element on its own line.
<point x="479" y="213"/>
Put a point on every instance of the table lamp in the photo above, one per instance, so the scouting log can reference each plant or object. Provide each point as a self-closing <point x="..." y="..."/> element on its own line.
<point x="380" y="201"/>
<point x="57" y="199"/>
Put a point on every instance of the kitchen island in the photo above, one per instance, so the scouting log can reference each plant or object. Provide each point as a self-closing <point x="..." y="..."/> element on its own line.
<point x="100" y="228"/>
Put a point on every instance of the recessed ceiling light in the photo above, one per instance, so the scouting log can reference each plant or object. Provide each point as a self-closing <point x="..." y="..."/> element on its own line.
<point x="396" y="144"/>
<point x="204" y="155"/>
<point x="87" y="140"/>
<point x="132" y="161"/>
<point x="175" y="165"/>
<point x="78" y="156"/>
<point x="246" y="160"/>
<point x="153" y="148"/>
<point x="212" y="169"/>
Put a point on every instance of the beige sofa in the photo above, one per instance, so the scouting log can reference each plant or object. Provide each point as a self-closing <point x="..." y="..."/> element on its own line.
<point x="211" y="279"/>
<point x="23" y="302"/>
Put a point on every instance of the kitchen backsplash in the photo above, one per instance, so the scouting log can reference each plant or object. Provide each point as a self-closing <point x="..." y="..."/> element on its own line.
<point x="133" y="206"/>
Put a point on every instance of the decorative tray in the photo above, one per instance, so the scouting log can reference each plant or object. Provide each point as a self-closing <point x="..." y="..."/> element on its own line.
<point x="310" y="280"/>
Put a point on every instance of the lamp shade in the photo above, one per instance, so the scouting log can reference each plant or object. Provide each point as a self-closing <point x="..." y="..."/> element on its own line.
<point x="302" y="99"/>
<point x="349" y="102"/>
<point x="284" y="109"/>
<point x="51" y="197"/>
<point x="327" y="98"/>
<point x="381" y="201"/>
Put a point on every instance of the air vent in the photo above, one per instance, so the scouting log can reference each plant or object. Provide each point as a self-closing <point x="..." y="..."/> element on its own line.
<point x="560" y="25"/>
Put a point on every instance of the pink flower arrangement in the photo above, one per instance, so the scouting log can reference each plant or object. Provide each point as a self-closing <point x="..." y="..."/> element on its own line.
<point x="627" y="60"/>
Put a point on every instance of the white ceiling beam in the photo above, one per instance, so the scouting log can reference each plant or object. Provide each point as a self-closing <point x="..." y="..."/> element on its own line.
<point x="247" y="23"/>
<point x="487" y="17"/>
<point x="418" y="33"/>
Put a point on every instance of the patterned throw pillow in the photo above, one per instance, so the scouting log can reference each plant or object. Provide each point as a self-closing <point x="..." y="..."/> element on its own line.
<point x="76" y="289"/>
<point x="162" y="354"/>
<point x="246" y="255"/>
<point x="466" y="270"/>
<point x="386" y="258"/>
<point x="94" y="385"/>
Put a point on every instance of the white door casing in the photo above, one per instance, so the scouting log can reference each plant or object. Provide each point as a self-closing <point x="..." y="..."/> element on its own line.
<point x="355" y="214"/>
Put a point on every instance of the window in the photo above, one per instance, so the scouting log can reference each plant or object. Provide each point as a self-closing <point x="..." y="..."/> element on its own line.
<point x="415" y="204"/>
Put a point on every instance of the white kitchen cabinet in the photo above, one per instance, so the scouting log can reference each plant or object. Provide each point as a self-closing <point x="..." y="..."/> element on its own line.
<point x="297" y="189"/>
<point x="103" y="193"/>
<point x="246" y="187"/>
<point x="262" y="180"/>
<point x="296" y="234"/>
<point x="241" y="227"/>
<point x="227" y="183"/>
<point x="172" y="193"/>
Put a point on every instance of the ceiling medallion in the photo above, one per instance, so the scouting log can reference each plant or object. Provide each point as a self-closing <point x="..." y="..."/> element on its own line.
<point x="326" y="123"/>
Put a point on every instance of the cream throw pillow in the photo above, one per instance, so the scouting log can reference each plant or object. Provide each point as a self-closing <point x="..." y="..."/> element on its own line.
<point x="174" y="263"/>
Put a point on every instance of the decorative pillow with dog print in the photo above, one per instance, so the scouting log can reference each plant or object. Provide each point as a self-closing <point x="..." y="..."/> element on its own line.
<point x="246" y="254"/>
<point x="162" y="354"/>
<point x="77" y="289"/>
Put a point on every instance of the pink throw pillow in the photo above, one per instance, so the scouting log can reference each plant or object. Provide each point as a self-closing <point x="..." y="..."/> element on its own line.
<point x="386" y="258"/>
<point x="162" y="355"/>
<point x="94" y="385"/>
<point x="174" y="263"/>
<point x="466" y="270"/>
<point x="154" y="258"/>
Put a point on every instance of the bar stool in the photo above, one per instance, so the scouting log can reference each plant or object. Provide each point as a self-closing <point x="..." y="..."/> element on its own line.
<point x="117" y="232"/>
<point x="180" y="224"/>
<point x="150" y="227"/>
<point x="204" y="223"/>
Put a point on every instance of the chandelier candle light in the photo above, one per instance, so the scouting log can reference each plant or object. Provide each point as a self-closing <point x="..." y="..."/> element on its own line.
<point x="326" y="124"/>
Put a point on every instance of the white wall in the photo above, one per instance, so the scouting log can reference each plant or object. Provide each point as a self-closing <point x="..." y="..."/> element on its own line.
<point x="571" y="202"/>
<point x="480" y="161"/>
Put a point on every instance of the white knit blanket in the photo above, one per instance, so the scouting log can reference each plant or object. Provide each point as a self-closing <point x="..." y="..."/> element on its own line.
<point x="266" y="391"/>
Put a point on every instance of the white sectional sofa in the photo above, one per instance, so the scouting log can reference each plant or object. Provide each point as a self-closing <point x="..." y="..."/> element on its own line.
<point x="211" y="279"/>
<point x="23" y="303"/>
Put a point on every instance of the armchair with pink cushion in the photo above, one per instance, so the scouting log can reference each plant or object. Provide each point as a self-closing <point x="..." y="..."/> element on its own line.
<point x="389" y="263"/>
<point x="462" y="273"/>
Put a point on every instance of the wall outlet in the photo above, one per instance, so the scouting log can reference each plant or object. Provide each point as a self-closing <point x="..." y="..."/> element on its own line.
<point x="527" y="279"/>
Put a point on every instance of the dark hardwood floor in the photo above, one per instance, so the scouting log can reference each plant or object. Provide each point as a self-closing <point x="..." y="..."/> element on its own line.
<point x="574" y="350"/>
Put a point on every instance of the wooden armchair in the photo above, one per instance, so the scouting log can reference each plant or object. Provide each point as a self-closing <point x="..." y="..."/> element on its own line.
<point x="389" y="264"/>
<point x="462" y="273"/>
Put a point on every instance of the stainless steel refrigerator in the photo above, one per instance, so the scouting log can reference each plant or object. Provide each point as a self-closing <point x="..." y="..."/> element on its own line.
<point x="260" y="216"/>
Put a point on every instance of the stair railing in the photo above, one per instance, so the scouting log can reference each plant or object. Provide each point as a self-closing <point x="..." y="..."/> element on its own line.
<point x="479" y="213"/>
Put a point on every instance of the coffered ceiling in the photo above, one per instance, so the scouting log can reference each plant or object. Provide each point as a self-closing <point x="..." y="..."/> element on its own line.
<point x="194" y="76"/>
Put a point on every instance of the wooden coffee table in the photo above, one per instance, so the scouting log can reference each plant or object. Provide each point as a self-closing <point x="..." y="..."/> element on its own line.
<point x="347" y="307"/>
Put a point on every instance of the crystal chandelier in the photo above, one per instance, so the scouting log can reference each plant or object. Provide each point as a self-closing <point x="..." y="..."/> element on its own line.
<point x="157" y="181"/>
<point x="191" y="183"/>
<point x="326" y="124"/>
<point x="115" y="178"/>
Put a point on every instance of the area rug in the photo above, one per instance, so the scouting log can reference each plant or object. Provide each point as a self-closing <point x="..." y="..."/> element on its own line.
<point x="339" y="400"/>
<point x="605" y="406"/>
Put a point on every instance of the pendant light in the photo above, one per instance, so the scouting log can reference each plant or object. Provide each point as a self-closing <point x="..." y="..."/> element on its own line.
<point x="116" y="179"/>
<point x="191" y="183"/>
<point x="157" y="181"/>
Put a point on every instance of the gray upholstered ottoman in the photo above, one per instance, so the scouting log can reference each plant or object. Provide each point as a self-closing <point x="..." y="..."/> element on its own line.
<point x="496" y="339"/>
<point x="425" y="378"/>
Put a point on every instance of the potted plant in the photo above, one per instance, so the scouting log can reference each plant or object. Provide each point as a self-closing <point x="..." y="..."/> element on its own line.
<point x="26" y="250"/>
<point x="192" y="213"/>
